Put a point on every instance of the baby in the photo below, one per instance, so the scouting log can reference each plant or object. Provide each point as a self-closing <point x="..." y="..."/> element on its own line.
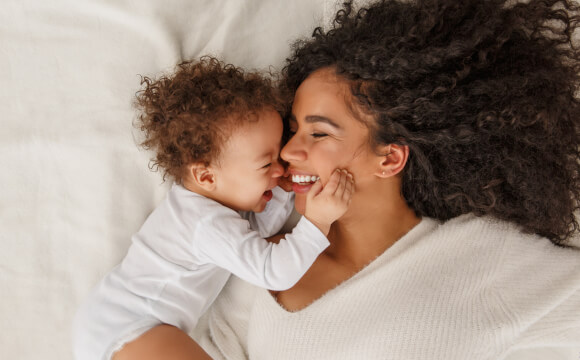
<point x="216" y="132"/>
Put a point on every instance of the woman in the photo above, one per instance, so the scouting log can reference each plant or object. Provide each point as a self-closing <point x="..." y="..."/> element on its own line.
<point x="459" y="121"/>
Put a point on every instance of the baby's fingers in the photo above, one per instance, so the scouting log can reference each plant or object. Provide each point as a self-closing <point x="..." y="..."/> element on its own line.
<point x="314" y="190"/>
<point x="342" y="183"/>
<point x="348" y="189"/>
<point x="333" y="183"/>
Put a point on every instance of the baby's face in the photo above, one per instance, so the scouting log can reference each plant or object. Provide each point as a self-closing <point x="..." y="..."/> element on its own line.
<point x="249" y="167"/>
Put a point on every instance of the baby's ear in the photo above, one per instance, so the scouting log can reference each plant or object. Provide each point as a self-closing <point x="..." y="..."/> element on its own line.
<point x="201" y="175"/>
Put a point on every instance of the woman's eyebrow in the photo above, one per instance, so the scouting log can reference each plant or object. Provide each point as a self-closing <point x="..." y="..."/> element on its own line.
<point x="316" y="118"/>
<point x="311" y="119"/>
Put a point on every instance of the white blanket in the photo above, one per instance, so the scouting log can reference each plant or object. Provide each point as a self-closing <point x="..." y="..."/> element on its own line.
<point x="74" y="185"/>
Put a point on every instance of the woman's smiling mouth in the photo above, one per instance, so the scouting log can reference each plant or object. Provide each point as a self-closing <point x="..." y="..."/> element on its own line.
<point x="301" y="184"/>
<point x="304" y="179"/>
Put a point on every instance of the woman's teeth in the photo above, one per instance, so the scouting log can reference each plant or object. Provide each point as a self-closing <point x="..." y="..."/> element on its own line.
<point x="304" y="179"/>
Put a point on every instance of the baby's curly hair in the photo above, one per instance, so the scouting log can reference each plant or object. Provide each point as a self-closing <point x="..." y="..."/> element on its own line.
<point x="187" y="116"/>
<point x="484" y="93"/>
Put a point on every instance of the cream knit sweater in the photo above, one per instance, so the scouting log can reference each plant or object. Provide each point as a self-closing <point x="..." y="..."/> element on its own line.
<point x="472" y="288"/>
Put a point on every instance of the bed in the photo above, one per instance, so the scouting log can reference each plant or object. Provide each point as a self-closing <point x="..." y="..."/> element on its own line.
<point x="75" y="185"/>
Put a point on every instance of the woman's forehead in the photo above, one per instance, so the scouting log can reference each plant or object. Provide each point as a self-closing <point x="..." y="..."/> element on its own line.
<point x="322" y="88"/>
<point x="325" y="93"/>
<point x="326" y="77"/>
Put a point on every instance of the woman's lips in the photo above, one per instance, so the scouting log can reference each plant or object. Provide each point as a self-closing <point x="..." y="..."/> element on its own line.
<point x="301" y="184"/>
<point x="301" y="189"/>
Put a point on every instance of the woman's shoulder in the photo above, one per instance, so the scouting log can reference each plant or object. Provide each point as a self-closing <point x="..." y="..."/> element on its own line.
<point x="521" y="280"/>
<point x="508" y="246"/>
<point x="535" y="283"/>
<point x="496" y="254"/>
<point x="493" y="231"/>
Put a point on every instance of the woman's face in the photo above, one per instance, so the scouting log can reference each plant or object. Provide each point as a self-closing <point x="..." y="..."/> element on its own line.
<point x="326" y="136"/>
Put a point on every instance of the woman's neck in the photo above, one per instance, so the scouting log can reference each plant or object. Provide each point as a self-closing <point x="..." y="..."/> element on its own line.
<point x="370" y="226"/>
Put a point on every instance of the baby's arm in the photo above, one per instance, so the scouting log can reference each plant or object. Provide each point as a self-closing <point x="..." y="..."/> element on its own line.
<point x="270" y="221"/>
<point x="230" y="244"/>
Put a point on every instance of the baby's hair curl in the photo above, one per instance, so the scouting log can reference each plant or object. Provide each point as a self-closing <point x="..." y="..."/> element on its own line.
<point x="484" y="93"/>
<point x="187" y="116"/>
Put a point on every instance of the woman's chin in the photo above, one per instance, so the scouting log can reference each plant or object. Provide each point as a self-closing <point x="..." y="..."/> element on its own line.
<point x="300" y="203"/>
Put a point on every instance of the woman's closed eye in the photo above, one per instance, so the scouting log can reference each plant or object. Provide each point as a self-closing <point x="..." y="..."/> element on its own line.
<point x="318" y="135"/>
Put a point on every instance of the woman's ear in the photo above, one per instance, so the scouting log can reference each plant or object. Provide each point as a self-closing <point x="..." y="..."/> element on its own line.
<point x="393" y="160"/>
<point x="201" y="175"/>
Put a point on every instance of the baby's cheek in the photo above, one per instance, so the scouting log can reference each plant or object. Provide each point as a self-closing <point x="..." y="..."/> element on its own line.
<point x="285" y="183"/>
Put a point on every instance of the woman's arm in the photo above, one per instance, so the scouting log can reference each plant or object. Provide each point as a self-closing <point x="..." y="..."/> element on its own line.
<point x="163" y="342"/>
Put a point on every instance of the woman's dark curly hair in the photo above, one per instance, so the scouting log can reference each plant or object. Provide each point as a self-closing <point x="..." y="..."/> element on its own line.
<point x="187" y="116"/>
<point x="484" y="93"/>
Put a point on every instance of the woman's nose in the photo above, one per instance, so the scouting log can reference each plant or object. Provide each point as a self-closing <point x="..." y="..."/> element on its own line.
<point x="293" y="151"/>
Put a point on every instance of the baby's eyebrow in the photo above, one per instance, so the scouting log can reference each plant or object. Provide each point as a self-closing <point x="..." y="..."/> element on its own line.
<point x="265" y="157"/>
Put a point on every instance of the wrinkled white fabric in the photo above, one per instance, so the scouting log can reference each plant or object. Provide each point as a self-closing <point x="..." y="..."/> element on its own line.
<point x="180" y="260"/>
<point x="472" y="288"/>
<point x="74" y="184"/>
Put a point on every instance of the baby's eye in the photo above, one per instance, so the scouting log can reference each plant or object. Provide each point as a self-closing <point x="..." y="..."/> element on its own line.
<point x="267" y="166"/>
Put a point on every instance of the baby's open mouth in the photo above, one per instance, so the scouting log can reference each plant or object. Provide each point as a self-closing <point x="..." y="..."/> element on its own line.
<point x="267" y="195"/>
<point x="304" y="179"/>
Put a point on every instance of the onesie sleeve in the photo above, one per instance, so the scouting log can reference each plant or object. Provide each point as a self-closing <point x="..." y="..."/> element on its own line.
<point x="270" y="221"/>
<point x="229" y="242"/>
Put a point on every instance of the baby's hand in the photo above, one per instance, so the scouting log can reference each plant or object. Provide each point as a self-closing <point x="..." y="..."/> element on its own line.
<point x="325" y="205"/>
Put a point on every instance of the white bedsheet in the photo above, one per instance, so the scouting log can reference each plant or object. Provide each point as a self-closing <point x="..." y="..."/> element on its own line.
<point x="74" y="185"/>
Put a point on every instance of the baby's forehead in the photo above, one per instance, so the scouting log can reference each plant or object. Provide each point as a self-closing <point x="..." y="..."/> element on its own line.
<point x="256" y="135"/>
